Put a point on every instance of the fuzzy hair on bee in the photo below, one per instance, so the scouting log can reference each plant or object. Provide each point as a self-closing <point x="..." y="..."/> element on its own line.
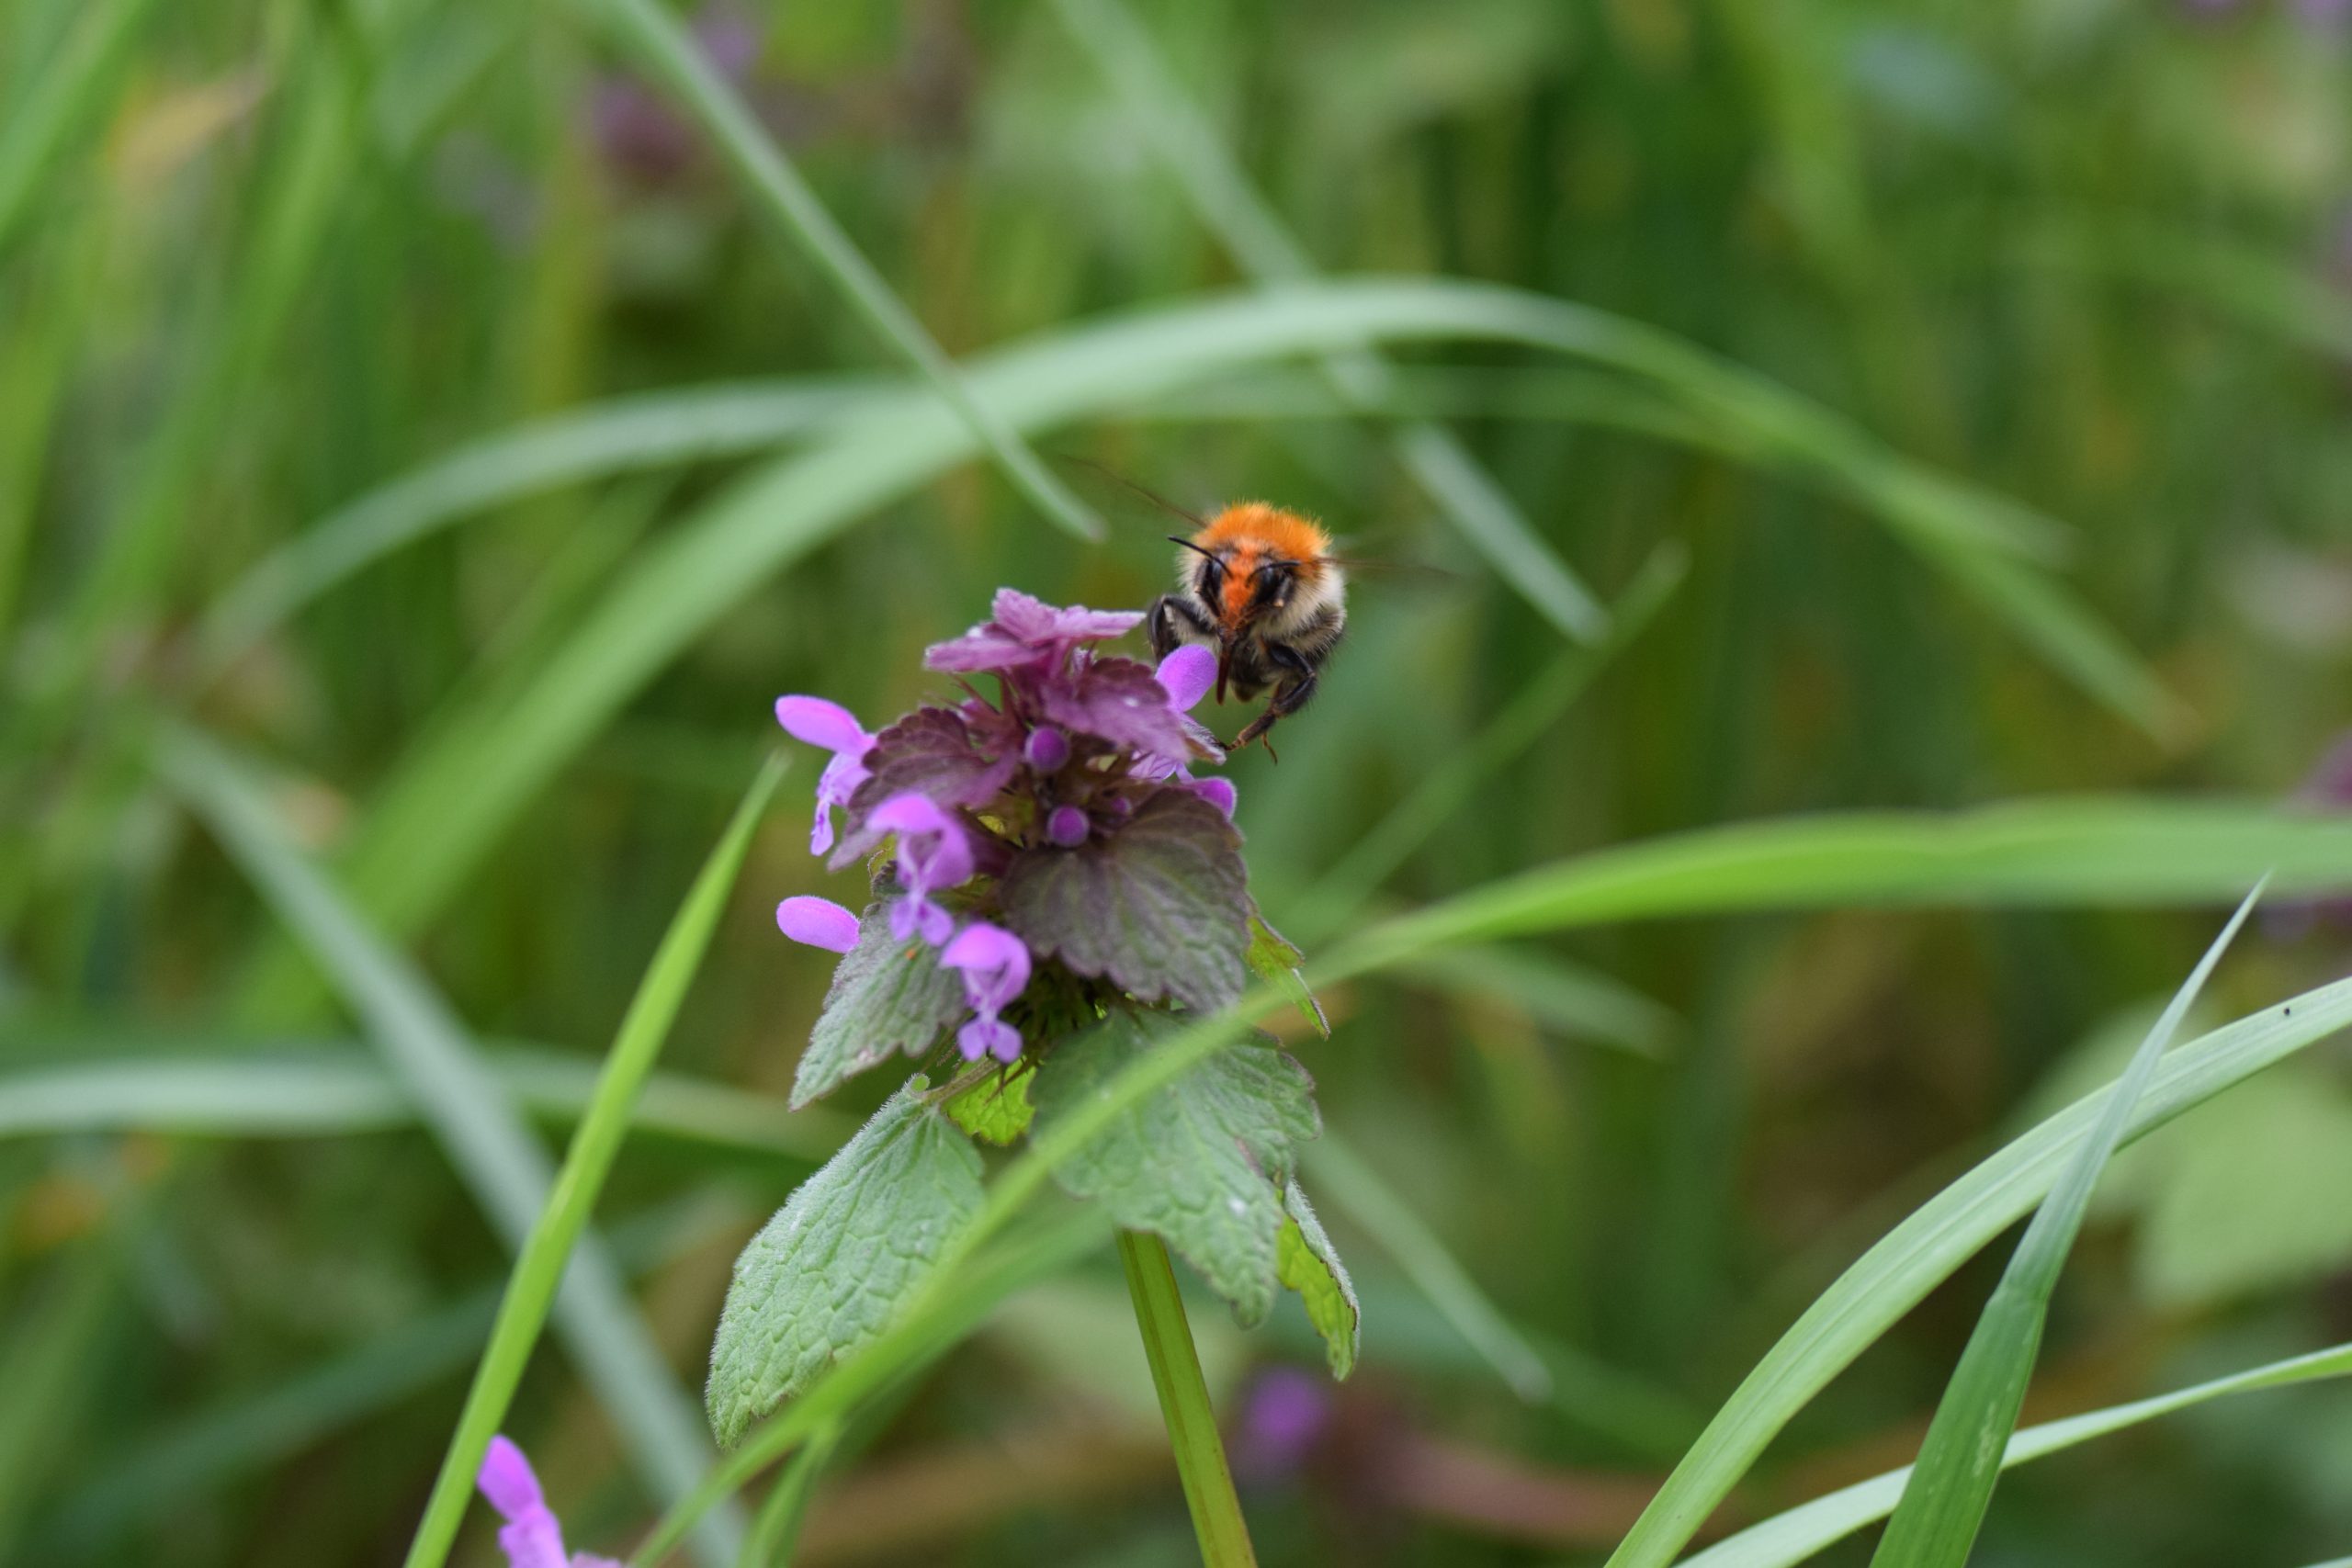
<point x="1261" y="586"/>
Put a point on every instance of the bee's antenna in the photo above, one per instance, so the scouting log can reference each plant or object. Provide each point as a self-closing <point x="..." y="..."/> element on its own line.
<point x="1180" y="540"/>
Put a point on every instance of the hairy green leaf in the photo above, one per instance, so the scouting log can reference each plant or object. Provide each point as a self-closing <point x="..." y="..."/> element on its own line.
<point x="831" y="1271"/>
<point x="888" y="996"/>
<point x="1159" y="908"/>
<point x="1309" y="1264"/>
<point x="996" y="1109"/>
<point x="1200" y="1161"/>
<point x="1272" y="957"/>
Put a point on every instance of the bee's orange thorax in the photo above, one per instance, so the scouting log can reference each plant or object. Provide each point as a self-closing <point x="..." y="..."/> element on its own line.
<point x="1251" y="533"/>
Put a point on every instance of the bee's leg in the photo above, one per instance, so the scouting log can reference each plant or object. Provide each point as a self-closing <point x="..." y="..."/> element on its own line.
<point x="1291" y="692"/>
<point x="1172" y="616"/>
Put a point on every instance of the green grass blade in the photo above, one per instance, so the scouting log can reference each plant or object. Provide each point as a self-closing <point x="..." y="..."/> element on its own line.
<point x="484" y="1134"/>
<point x="147" y="532"/>
<point x="593" y="443"/>
<point x="67" y="94"/>
<point x="539" y="1266"/>
<point x="1793" y="1536"/>
<point x="1348" y="1186"/>
<point x="1352" y="879"/>
<point x="1559" y="995"/>
<point x="2067" y="850"/>
<point x="1223" y="198"/>
<point x="1895" y="1274"/>
<point x="654" y="36"/>
<point x="776" y="1529"/>
<point x="50" y="1361"/>
<point x="1951" y="1483"/>
<point x="315" y="1091"/>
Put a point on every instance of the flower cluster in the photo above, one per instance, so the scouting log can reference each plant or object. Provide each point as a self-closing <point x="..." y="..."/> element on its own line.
<point x="1019" y="825"/>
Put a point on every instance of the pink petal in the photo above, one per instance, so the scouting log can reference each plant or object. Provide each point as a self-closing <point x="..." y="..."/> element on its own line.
<point x="1187" y="674"/>
<point x="908" y="813"/>
<point x="817" y="922"/>
<point x="505" y="1478"/>
<point x="822" y="723"/>
<point x="1216" y="792"/>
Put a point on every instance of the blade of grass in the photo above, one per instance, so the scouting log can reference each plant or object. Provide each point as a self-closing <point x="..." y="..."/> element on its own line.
<point x="313" y="1091"/>
<point x="49" y="1364"/>
<point x="1793" y="1536"/>
<point x="1247" y="227"/>
<point x="447" y="804"/>
<point x="596" y="442"/>
<point x="539" y="1265"/>
<point x="502" y="1164"/>
<point x="38" y="359"/>
<point x="2113" y="851"/>
<point x="1353" y="878"/>
<point x="1951" y="1483"/>
<point x="146" y="533"/>
<point x="776" y="1529"/>
<point x="1559" y="995"/>
<point x="1346" y="1185"/>
<point x="654" y="37"/>
<point x="68" y="95"/>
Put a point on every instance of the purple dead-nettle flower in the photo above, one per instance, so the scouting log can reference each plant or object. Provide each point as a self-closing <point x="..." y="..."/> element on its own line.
<point x="995" y="965"/>
<point x="934" y="856"/>
<point x="532" y="1537"/>
<point x="817" y="922"/>
<point x="1053" y="794"/>
<point x="1024" y="631"/>
<point x="834" y="728"/>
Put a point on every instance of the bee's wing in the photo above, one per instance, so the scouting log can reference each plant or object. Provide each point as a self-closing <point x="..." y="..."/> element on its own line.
<point x="1152" y="497"/>
<point x="1392" y="569"/>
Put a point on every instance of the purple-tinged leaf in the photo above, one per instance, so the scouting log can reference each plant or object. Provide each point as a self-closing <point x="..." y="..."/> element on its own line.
<point x="1159" y="906"/>
<point x="1119" y="701"/>
<point x="932" y="752"/>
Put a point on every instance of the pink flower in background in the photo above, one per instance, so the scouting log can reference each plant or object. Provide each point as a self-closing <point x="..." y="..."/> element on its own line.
<point x="532" y="1536"/>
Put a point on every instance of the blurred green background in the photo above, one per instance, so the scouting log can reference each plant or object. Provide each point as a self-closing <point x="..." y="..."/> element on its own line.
<point x="406" y="395"/>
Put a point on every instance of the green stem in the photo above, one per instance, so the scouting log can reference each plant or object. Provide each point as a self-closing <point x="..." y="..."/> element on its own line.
<point x="1184" y="1403"/>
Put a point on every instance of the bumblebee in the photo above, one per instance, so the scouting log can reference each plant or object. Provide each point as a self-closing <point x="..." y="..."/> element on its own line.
<point x="1260" y="586"/>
